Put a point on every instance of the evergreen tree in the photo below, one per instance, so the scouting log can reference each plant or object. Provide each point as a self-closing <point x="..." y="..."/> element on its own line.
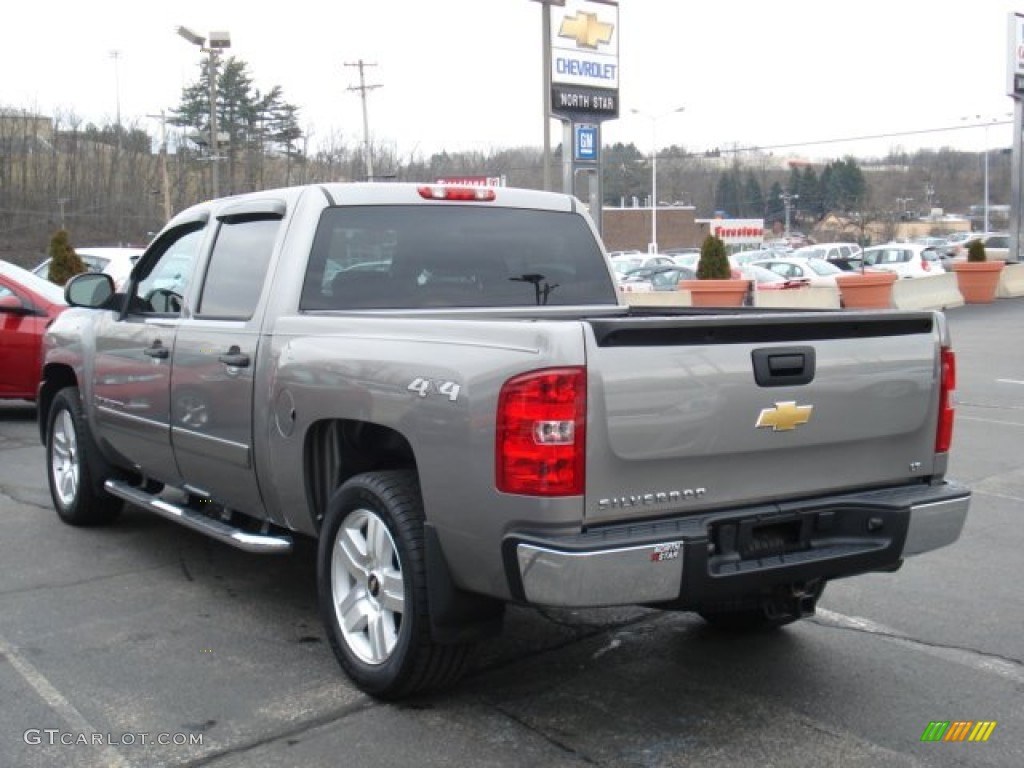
<point x="713" y="263"/>
<point x="753" y="198"/>
<point x="64" y="262"/>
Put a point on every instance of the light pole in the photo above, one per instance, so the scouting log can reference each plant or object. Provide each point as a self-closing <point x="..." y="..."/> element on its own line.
<point x="218" y="42"/>
<point x="652" y="247"/>
<point x="988" y="121"/>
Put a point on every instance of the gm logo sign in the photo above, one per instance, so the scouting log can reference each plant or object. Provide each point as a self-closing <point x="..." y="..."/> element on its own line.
<point x="586" y="144"/>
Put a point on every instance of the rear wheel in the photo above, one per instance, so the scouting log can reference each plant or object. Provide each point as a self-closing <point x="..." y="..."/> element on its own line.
<point x="371" y="577"/>
<point x="783" y="607"/>
<point x="75" y="469"/>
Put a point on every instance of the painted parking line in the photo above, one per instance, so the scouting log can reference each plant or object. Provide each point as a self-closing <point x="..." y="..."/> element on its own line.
<point x="1009" y="381"/>
<point x="58" y="702"/>
<point x="989" y="664"/>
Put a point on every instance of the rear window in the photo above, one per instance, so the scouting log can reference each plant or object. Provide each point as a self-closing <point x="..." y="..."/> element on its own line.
<point x="394" y="257"/>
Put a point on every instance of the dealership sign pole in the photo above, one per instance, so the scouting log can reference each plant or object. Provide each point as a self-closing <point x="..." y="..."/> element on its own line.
<point x="1015" y="89"/>
<point x="584" y="75"/>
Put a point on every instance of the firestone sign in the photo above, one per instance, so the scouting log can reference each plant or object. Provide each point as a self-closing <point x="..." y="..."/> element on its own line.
<point x="585" y="58"/>
<point x="738" y="231"/>
<point x="1015" y="59"/>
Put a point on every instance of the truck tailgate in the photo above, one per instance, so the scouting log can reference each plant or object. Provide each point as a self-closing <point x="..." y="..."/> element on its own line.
<point x="712" y="411"/>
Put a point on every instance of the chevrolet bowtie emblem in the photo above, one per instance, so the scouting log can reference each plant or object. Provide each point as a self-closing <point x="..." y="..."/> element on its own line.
<point x="586" y="30"/>
<point x="784" y="416"/>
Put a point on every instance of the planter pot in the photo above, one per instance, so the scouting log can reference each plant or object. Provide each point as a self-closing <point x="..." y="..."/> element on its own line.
<point x="716" y="293"/>
<point x="978" y="280"/>
<point x="866" y="290"/>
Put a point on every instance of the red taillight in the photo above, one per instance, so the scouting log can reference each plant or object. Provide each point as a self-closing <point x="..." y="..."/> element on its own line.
<point x="540" y="447"/>
<point x="947" y="383"/>
<point x="444" y="192"/>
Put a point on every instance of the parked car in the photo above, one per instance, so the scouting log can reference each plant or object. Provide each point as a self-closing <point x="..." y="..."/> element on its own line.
<point x="624" y="263"/>
<point x="116" y="262"/>
<point x="846" y="256"/>
<point x="997" y="247"/>
<point x="813" y="271"/>
<point x="661" y="278"/>
<point x="905" y="259"/>
<point x="28" y="304"/>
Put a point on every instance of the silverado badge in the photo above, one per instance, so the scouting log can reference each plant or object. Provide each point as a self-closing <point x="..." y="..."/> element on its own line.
<point x="784" y="416"/>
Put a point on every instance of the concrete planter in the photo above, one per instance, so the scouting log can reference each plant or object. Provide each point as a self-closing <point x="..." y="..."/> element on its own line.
<point x="978" y="280"/>
<point x="866" y="290"/>
<point x="716" y="293"/>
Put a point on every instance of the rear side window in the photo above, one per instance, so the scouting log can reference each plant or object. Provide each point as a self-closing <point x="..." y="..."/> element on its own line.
<point x="394" y="257"/>
<point x="238" y="267"/>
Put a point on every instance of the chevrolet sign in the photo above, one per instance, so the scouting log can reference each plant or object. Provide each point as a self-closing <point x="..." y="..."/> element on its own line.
<point x="585" y="44"/>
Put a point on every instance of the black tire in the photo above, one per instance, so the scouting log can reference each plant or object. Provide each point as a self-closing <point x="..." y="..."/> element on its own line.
<point x="386" y="648"/>
<point x="770" y="614"/>
<point x="746" y="620"/>
<point x="75" y="469"/>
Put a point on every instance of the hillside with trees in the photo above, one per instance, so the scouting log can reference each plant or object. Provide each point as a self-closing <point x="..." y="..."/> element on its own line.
<point x="114" y="184"/>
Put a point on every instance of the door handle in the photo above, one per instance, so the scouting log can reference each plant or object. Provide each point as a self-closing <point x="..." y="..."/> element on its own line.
<point x="158" y="351"/>
<point x="235" y="358"/>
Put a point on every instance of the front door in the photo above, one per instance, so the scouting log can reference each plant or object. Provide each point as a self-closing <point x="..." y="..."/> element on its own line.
<point x="132" y="372"/>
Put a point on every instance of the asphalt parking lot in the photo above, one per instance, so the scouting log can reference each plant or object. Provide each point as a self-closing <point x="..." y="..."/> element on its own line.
<point x="146" y="644"/>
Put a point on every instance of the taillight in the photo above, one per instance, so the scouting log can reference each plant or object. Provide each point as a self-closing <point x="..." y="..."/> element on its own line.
<point x="947" y="383"/>
<point x="444" y="192"/>
<point x="540" y="447"/>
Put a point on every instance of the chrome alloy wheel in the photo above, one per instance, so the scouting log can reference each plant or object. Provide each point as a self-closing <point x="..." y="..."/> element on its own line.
<point x="367" y="586"/>
<point x="65" y="462"/>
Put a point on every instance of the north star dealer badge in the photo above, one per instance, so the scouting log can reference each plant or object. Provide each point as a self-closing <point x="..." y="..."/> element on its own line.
<point x="784" y="417"/>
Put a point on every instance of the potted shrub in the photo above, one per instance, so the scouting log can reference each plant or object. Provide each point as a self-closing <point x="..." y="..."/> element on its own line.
<point x="866" y="288"/>
<point x="978" y="277"/>
<point x="715" y="286"/>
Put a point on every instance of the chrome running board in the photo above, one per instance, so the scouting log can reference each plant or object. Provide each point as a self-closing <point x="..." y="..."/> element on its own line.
<point x="260" y="543"/>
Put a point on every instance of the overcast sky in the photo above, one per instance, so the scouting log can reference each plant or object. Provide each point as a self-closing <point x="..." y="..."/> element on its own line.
<point x="466" y="74"/>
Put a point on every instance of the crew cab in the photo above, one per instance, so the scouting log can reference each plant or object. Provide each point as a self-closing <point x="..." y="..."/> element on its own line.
<point x="443" y="387"/>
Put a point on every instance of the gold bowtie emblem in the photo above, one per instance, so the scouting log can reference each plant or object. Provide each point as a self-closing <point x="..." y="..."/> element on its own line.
<point x="586" y="29"/>
<point x="784" y="416"/>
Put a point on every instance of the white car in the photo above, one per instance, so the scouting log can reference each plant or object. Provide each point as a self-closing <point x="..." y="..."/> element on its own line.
<point x="905" y="259"/>
<point x="843" y="255"/>
<point x="627" y="263"/>
<point x="116" y="262"/>
<point x="813" y="271"/>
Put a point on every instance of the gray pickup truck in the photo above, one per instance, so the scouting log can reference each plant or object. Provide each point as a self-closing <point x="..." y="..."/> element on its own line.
<point x="443" y="387"/>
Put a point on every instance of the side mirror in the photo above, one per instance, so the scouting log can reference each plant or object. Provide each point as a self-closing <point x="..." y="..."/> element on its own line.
<point x="89" y="289"/>
<point x="13" y="305"/>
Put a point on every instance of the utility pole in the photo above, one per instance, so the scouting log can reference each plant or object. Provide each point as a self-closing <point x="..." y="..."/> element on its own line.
<point x="363" y="88"/>
<point x="787" y="198"/>
<point x="118" y="171"/>
<point x="165" y="181"/>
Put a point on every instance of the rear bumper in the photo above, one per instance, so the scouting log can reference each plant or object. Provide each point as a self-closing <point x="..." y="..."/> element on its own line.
<point x="720" y="556"/>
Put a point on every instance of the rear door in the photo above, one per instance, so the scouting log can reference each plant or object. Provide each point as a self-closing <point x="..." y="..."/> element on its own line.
<point x="215" y="356"/>
<point x="708" y="411"/>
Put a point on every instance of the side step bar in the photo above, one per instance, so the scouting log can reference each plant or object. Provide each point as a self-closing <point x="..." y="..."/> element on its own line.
<point x="260" y="543"/>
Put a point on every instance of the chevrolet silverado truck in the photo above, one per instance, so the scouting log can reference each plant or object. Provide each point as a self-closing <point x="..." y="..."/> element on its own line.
<point x="444" y="388"/>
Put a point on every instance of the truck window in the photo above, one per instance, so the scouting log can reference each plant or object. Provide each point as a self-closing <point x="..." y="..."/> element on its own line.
<point x="394" y="257"/>
<point x="162" y="286"/>
<point x="237" y="269"/>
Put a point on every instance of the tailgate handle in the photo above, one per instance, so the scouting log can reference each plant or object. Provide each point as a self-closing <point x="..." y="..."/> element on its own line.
<point x="783" y="366"/>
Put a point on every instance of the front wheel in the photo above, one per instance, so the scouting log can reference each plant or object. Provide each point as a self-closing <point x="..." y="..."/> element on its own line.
<point x="371" y="578"/>
<point x="75" y="469"/>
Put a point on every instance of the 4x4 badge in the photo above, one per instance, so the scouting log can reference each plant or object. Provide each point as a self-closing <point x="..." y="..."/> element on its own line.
<point x="784" y="416"/>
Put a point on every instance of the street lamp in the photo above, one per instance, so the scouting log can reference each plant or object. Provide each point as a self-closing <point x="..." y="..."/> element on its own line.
<point x="988" y="121"/>
<point x="218" y="42"/>
<point x="652" y="247"/>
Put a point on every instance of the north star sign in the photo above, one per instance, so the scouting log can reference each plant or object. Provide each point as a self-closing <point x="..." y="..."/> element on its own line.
<point x="585" y="44"/>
